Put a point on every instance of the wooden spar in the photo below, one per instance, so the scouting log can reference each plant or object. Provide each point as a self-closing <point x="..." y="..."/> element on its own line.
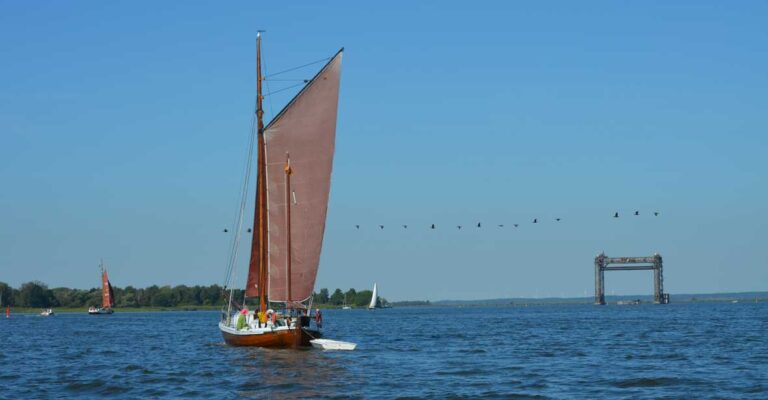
<point x="261" y="184"/>
<point x="288" y="173"/>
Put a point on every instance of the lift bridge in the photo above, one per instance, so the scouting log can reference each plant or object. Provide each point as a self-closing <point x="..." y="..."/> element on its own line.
<point x="604" y="263"/>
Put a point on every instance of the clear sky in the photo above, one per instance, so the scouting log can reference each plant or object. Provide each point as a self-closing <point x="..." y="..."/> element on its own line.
<point x="123" y="129"/>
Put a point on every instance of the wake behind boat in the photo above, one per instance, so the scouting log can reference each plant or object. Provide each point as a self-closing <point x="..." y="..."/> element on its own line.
<point x="107" y="295"/>
<point x="295" y="157"/>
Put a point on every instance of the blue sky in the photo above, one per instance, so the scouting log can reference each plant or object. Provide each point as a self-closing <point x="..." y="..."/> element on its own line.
<point x="123" y="128"/>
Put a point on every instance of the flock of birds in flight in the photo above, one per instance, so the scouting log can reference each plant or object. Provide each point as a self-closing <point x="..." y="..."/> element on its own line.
<point x="480" y="224"/>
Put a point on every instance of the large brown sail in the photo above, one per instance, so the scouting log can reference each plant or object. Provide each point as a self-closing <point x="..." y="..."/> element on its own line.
<point x="107" y="294"/>
<point x="305" y="128"/>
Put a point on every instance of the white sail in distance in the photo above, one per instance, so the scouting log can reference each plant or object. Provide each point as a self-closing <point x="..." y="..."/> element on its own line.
<point x="374" y="297"/>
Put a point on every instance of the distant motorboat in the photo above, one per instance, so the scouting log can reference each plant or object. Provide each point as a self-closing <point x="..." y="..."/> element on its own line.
<point x="47" y="312"/>
<point x="628" y="302"/>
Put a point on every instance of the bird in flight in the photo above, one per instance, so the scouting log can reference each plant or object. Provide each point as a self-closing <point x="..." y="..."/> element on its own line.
<point x="357" y="226"/>
<point x="655" y="213"/>
<point x="557" y="219"/>
<point x="249" y="230"/>
<point x="535" y="220"/>
<point x="433" y="226"/>
<point x="405" y="226"/>
<point x="501" y="225"/>
<point x="616" y="215"/>
<point x="458" y="226"/>
<point x="637" y="212"/>
<point x="381" y="226"/>
<point x="515" y="225"/>
<point x="226" y="230"/>
<point x="478" y="224"/>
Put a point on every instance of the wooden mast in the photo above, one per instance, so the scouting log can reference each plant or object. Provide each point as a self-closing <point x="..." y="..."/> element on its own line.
<point x="288" y="173"/>
<point x="261" y="185"/>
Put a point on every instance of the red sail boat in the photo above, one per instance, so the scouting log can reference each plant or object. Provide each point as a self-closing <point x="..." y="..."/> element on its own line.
<point x="295" y="158"/>
<point x="107" y="295"/>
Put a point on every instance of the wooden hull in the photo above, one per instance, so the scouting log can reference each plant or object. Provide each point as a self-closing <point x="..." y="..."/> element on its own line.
<point x="288" y="338"/>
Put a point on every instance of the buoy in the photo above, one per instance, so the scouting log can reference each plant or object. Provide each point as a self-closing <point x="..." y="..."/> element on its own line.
<point x="7" y="312"/>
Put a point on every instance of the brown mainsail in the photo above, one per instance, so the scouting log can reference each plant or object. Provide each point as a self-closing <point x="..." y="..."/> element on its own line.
<point x="306" y="129"/>
<point x="107" y="294"/>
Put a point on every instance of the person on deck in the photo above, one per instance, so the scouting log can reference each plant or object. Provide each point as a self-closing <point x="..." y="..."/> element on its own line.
<point x="241" y="320"/>
<point x="261" y="318"/>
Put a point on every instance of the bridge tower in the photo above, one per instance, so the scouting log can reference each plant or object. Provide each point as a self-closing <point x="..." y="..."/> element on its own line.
<point x="604" y="263"/>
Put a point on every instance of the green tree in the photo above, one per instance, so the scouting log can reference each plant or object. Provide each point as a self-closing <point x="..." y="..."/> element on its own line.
<point x="6" y="294"/>
<point x="350" y="295"/>
<point x="93" y="298"/>
<point x="35" y="294"/>
<point x="363" y="298"/>
<point x="148" y="295"/>
<point x="337" y="298"/>
<point x="127" y="298"/>
<point x="163" y="297"/>
<point x="322" y="298"/>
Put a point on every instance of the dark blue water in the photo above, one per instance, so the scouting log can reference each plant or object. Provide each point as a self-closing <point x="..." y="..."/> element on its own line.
<point x="647" y="351"/>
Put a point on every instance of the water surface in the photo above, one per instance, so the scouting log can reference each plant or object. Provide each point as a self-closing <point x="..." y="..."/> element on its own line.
<point x="578" y="351"/>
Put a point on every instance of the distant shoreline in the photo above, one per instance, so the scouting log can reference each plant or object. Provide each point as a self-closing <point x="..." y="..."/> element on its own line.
<point x="644" y="299"/>
<point x="741" y="297"/>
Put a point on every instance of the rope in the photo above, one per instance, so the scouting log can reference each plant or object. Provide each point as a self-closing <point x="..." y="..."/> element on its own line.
<point x="283" y="89"/>
<point x="307" y="332"/>
<point x="234" y="246"/>
<point x="299" y="67"/>
<point x="264" y="78"/>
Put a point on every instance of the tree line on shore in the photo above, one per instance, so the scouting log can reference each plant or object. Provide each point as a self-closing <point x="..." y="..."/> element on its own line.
<point x="38" y="294"/>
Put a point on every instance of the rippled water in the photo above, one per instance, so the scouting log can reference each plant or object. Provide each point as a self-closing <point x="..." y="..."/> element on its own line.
<point x="584" y="351"/>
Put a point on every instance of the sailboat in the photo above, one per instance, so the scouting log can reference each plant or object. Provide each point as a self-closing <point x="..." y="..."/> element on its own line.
<point x="295" y="158"/>
<point x="107" y="295"/>
<point x="345" y="306"/>
<point x="374" y="299"/>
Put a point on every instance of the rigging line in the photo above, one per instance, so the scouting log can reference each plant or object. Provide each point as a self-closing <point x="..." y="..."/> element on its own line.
<point x="283" y="89"/>
<point x="288" y="80"/>
<point x="264" y="78"/>
<point x="243" y="198"/>
<point x="299" y="67"/>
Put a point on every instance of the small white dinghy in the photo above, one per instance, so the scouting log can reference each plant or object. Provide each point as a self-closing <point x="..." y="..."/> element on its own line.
<point x="328" y="344"/>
